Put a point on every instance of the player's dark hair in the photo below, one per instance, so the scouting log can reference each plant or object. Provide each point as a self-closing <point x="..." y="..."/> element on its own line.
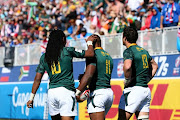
<point x="56" y="43"/>
<point x="131" y="34"/>
<point x="98" y="40"/>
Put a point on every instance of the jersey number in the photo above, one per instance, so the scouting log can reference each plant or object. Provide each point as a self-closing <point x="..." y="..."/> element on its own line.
<point x="145" y="62"/>
<point x="108" y="70"/>
<point x="54" y="69"/>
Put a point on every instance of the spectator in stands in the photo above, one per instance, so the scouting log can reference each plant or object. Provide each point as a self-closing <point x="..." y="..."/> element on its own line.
<point x="13" y="28"/>
<point x="71" y="16"/>
<point x="170" y="14"/>
<point x="1" y="44"/>
<point x="97" y="4"/>
<point x="82" y="36"/>
<point x="83" y="33"/>
<point x="5" y="28"/>
<point x="134" y="4"/>
<point x="43" y="16"/>
<point x="147" y="22"/>
<point x="141" y="15"/>
<point x="72" y="26"/>
<point x="24" y="37"/>
<point x="116" y="6"/>
<point x="156" y="18"/>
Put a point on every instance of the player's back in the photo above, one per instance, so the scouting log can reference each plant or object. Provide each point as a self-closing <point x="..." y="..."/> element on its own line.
<point x="140" y="65"/>
<point x="61" y="74"/>
<point x="104" y="66"/>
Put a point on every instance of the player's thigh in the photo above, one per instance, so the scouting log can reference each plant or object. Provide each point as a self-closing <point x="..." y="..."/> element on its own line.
<point x="67" y="117"/>
<point x="97" y="116"/>
<point x="56" y="117"/>
<point x="123" y="115"/>
<point x="142" y="115"/>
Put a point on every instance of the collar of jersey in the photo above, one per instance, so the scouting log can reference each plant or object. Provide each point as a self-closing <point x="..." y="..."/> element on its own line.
<point x="98" y="48"/>
<point x="132" y="44"/>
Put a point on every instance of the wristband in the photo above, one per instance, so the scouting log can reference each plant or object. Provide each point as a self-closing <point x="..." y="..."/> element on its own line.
<point x="89" y="43"/>
<point x="78" y="92"/>
<point x="178" y="23"/>
<point x="32" y="97"/>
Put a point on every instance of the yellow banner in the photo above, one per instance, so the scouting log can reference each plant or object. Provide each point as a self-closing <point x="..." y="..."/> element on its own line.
<point x="165" y="100"/>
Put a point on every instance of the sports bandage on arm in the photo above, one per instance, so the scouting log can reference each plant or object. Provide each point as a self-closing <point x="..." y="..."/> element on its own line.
<point x="78" y="92"/>
<point x="32" y="97"/>
<point x="89" y="43"/>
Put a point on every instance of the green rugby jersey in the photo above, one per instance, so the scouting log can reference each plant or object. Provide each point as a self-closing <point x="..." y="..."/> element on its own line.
<point x="104" y="66"/>
<point x="61" y="75"/>
<point x="140" y="65"/>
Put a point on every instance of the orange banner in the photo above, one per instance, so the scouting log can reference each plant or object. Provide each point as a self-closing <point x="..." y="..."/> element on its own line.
<point x="165" y="100"/>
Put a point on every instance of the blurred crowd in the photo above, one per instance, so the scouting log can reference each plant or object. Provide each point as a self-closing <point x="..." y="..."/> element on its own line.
<point x="30" y="21"/>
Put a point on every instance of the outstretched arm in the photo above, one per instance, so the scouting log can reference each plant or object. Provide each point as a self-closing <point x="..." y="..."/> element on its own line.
<point x="37" y="81"/>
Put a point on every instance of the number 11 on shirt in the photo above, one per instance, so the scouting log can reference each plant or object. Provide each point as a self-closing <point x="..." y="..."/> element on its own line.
<point x="108" y="70"/>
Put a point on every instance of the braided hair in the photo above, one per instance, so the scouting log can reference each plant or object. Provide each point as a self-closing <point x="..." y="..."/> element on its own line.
<point x="56" y="43"/>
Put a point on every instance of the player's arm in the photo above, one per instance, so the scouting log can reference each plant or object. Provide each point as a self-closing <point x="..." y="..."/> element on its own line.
<point x="89" y="52"/>
<point x="87" y="77"/>
<point x="154" y="67"/>
<point x="127" y="71"/>
<point x="37" y="81"/>
<point x="127" y="68"/>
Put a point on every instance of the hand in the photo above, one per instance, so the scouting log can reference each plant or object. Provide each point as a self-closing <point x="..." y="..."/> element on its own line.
<point x="79" y="99"/>
<point x="30" y="104"/>
<point x="92" y="38"/>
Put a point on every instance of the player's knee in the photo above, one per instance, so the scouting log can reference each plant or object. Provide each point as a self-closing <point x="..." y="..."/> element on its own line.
<point x="143" y="117"/>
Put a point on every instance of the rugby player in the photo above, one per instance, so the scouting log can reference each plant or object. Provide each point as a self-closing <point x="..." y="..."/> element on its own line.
<point x="97" y="76"/>
<point x="139" y="68"/>
<point x="57" y="61"/>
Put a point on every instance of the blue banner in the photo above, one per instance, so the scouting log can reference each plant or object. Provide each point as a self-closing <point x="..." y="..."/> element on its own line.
<point x="14" y="98"/>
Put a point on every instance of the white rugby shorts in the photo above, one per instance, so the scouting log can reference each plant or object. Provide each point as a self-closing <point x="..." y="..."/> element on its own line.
<point x="62" y="101"/>
<point x="135" y="98"/>
<point x="100" y="100"/>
